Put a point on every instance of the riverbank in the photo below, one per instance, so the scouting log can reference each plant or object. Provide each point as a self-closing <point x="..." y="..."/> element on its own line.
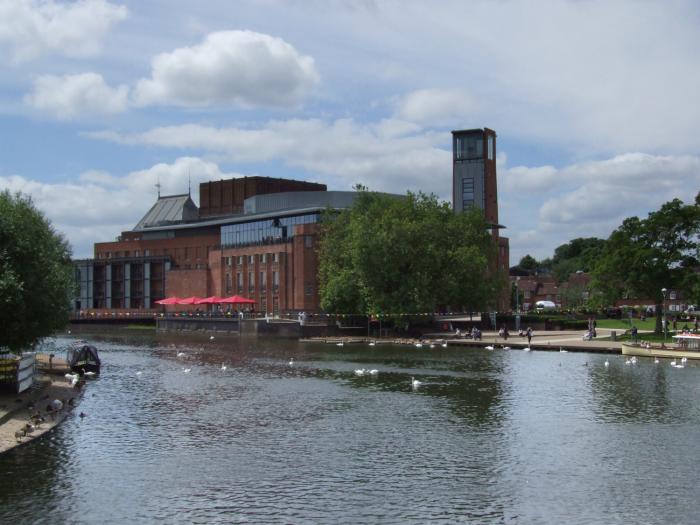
<point x="37" y="406"/>
<point x="571" y="341"/>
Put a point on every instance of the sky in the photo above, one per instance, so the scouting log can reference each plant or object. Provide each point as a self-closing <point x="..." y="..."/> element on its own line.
<point x="595" y="104"/>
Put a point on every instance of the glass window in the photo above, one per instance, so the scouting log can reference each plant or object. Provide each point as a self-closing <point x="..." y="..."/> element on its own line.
<point x="275" y="280"/>
<point x="275" y="257"/>
<point x="263" y="257"/>
<point x="490" y="147"/>
<point x="308" y="241"/>
<point x="251" y="281"/>
<point x="251" y="259"/>
<point x="239" y="282"/>
<point x="263" y="280"/>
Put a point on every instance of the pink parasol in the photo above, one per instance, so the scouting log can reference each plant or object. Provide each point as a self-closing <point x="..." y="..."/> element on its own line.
<point x="237" y="299"/>
<point x="169" y="300"/>
<point x="214" y="299"/>
<point x="189" y="300"/>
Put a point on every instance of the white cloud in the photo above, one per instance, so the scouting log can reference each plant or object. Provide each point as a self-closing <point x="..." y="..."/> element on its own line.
<point x="242" y="68"/>
<point x="30" y="28"/>
<point x="440" y="107"/>
<point x="99" y="206"/>
<point x="74" y="96"/>
<point x="389" y="155"/>
<point x="550" y="206"/>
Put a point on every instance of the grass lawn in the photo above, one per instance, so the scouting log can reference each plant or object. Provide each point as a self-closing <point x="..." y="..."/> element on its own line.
<point x="624" y="324"/>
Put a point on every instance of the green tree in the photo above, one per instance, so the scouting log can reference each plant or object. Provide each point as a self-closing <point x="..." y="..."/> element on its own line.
<point x="529" y="263"/>
<point x="35" y="274"/>
<point x="405" y="255"/>
<point x="643" y="256"/>
<point x="577" y="254"/>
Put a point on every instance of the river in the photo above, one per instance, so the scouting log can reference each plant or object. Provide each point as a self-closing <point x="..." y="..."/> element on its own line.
<point x="501" y="436"/>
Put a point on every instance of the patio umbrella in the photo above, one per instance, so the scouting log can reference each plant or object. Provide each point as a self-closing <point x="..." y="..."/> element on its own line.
<point x="237" y="299"/>
<point x="214" y="299"/>
<point x="169" y="300"/>
<point x="189" y="300"/>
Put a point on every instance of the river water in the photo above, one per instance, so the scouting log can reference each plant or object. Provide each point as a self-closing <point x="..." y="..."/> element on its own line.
<point x="488" y="437"/>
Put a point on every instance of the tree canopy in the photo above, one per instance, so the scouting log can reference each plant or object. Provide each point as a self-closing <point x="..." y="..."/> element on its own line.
<point x="405" y="255"/>
<point x="35" y="274"/>
<point x="643" y="256"/>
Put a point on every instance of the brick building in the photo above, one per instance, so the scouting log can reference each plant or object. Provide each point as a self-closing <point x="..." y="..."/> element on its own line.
<point x="474" y="185"/>
<point x="260" y="244"/>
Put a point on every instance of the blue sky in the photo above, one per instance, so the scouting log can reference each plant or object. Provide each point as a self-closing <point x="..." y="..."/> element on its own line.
<point x="594" y="102"/>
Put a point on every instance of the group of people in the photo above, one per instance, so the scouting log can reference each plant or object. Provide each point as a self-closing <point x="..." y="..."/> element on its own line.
<point x="475" y="333"/>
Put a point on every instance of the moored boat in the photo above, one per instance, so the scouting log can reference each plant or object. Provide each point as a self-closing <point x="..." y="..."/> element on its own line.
<point x="686" y="345"/>
<point x="82" y="358"/>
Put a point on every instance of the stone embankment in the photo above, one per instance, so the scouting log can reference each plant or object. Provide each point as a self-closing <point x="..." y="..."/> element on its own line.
<point x="546" y="341"/>
<point x="27" y="416"/>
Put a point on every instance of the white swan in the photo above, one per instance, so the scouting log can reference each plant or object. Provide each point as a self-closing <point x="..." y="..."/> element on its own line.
<point x="340" y="344"/>
<point x="489" y="347"/>
<point x="374" y="372"/>
<point x="432" y="345"/>
<point x="656" y="360"/>
<point x="419" y="345"/>
<point x="223" y="366"/>
<point x="139" y="373"/>
<point x="444" y="345"/>
<point x="415" y="383"/>
<point x="181" y="354"/>
<point x="527" y="349"/>
<point x="291" y="362"/>
<point x="211" y="337"/>
<point x="506" y="348"/>
<point x="607" y="363"/>
<point x="684" y="360"/>
<point x="673" y="363"/>
<point x="561" y="350"/>
<point x="371" y="343"/>
<point x="187" y="370"/>
<point x="360" y="372"/>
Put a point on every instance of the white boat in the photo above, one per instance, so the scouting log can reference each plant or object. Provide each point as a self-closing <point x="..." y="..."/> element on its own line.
<point x="685" y="345"/>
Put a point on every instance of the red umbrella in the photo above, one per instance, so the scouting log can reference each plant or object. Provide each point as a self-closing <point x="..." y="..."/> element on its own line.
<point x="169" y="300"/>
<point x="189" y="300"/>
<point x="214" y="299"/>
<point x="237" y="299"/>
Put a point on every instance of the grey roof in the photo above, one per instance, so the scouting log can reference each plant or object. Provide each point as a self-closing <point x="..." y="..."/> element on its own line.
<point x="171" y="209"/>
<point x="298" y="199"/>
<point x="257" y="208"/>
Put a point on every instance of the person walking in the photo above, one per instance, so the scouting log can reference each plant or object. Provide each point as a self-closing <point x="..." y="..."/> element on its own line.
<point x="529" y="335"/>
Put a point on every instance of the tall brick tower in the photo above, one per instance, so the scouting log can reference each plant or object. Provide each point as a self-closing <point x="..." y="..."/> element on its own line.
<point x="474" y="184"/>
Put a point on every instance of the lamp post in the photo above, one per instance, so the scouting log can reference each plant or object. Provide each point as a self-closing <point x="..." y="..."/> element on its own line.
<point x="517" y="304"/>
<point x="663" y="311"/>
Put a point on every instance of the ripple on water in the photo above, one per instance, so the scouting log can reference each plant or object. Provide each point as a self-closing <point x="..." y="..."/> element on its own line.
<point x="489" y="437"/>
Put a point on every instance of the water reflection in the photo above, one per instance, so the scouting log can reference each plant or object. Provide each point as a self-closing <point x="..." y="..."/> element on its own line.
<point x="488" y="437"/>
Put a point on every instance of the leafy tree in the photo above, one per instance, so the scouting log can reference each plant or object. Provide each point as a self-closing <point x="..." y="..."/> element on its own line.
<point x="35" y="274"/>
<point x="643" y="256"/>
<point x="577" y="254"/>
<point x="528" y="262"/>
<point x="405" y="255"/>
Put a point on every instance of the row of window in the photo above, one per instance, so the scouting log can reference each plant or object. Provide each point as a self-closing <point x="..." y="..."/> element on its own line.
<point x="262" y="282"/>
<point x="267" y="231"/>
<point x="250" y="259"/>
